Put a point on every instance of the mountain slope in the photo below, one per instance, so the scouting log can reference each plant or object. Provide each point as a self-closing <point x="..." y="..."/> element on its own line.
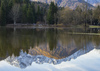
<point x="66" y="3"/>
<point x="93" y="2"/>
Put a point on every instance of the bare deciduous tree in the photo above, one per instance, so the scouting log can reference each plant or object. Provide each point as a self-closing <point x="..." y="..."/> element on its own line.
<point x="65" y="16"/>
<point x="15" y="12"/>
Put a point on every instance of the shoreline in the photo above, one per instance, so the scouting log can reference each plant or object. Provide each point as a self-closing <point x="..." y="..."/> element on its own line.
<point x="48" y="26"/>
<point x="42" y="26"/>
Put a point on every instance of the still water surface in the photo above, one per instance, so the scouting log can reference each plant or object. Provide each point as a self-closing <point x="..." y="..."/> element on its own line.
<point x="49" y="49"/>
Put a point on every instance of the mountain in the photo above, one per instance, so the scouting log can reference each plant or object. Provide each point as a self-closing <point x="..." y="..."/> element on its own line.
<point x="96" y="4"/>
<point x="93" y="2"/>
<point x="66" y="3"/>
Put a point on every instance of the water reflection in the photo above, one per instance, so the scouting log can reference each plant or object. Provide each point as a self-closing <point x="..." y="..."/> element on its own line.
<point x="24" y="59"/>
<point x="52" y="44"/>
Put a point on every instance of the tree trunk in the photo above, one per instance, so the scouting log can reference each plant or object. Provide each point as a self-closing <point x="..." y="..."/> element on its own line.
<point x="14" y="29"/>
<point x="14" y="22"/>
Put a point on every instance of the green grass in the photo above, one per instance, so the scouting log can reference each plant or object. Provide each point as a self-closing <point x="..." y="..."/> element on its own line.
<point x="93" y="26"/>
<point x="84" y="33"/>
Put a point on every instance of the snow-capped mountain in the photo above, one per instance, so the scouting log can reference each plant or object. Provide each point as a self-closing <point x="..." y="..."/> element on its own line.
<point x="93" y="2"/>
<point x="66" y="3"/>
<point x="24" y="59"/>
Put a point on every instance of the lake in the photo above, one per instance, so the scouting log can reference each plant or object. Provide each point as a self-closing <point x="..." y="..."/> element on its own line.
<point x="49" y="49"/>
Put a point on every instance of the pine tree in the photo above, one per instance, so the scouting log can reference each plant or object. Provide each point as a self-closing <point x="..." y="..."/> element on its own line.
<point x="26" y="1"/>
<point x="6" y="6"/>
<point x="3" y="13"/>
<point x="24" y="14"/>
<point x="17" y="1"/>
<point x="34" y="14"/>
<point x="30" y="15"/>
<point x="42" y="14"/>
<point x="96" y="15"/>
<point x="51" y="13"/>
<point x="38" y="13"/>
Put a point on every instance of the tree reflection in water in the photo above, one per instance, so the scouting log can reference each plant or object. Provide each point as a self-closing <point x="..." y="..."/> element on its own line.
<point x="53" y="42"/>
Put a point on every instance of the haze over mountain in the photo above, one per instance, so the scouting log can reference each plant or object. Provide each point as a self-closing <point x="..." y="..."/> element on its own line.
<point x="66" y="3"/>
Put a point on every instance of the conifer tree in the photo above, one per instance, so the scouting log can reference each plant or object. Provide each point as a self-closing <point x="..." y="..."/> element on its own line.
<point x="24" y="14"/>
<point x="96" y="14"/>
<point x="3" y="13"/>
<point x="38" y="13"/>
<point x="34" y="14"/>
<point x="30" y="15"/>
<point x="51" y="12"/>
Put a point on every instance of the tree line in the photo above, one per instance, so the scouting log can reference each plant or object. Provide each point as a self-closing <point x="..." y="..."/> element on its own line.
<point x="20" y="11"/>
<point x="80" y="16"/>
<point x="28" y="12"/>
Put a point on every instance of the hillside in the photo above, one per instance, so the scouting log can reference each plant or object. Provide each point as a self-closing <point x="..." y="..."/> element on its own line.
<point x="66" y="3"/>
<point x="43" y="5"/>
<point x="97" y="4"/>
<point x="93" y="2"/>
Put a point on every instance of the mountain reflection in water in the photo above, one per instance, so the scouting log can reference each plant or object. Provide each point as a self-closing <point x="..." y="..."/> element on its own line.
<point x="24" y="59"/>
<point x="52" y="46"/>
